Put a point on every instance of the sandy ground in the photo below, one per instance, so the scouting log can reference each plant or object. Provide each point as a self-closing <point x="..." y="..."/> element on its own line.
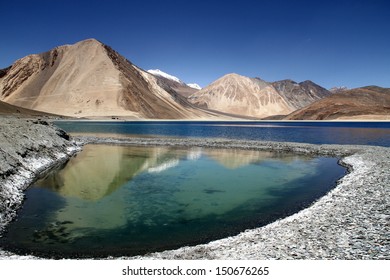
<point x="350" y="222"/>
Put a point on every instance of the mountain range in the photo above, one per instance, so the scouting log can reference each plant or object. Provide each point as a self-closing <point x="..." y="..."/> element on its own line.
<point x="91" y="80"/>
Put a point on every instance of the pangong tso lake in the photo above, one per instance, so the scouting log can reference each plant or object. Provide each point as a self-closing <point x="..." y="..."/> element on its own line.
<point x="314" y="132"/>
<point x="126" y="200"/>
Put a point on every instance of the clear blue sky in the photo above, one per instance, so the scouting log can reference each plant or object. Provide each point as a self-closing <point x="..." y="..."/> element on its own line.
<point x="332" y="43"/>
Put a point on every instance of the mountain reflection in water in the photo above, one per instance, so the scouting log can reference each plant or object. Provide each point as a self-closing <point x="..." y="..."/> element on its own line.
<point x="101" y="169"/>
<point x="118" y="200"/>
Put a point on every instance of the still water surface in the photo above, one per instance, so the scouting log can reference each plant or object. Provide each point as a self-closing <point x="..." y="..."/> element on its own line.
<point x="122" y="200"/>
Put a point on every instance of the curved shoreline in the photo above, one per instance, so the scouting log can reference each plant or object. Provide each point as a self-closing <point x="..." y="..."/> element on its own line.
<point x="350" y="222"/>
<point x="29" y="148"/>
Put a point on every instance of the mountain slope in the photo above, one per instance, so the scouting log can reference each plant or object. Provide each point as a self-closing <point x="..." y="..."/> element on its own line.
<point x="89" y="79"/>
<point x="361" y="103"/>
<point x="241" y="95"/>
<point x="8" y="109"/>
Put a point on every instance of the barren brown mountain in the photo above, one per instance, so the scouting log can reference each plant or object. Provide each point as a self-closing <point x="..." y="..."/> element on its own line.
<point x="89" y="79"/>
<point x="241" y="95"/>
<point x="364" y="103"/>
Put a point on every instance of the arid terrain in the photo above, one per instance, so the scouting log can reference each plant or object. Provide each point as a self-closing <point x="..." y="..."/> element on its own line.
<point x="91" y="80"/>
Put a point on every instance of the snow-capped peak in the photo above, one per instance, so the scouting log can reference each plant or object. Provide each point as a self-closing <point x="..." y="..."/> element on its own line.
<point x="158" y="72"/>
<point x="195" y="86"/>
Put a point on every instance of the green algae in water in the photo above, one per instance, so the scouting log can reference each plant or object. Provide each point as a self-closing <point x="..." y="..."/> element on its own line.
<point x="121" y="200"/>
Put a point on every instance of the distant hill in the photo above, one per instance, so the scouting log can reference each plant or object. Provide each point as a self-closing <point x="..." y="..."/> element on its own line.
<point x="364" y="103"/>
<point x="254" y="97"/>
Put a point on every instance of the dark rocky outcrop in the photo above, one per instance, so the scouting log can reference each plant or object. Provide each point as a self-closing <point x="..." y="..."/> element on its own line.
<point x="4" y="72"/>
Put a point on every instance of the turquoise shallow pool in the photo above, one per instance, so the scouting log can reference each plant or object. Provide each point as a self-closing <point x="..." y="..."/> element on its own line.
<point x="121" y="200"/>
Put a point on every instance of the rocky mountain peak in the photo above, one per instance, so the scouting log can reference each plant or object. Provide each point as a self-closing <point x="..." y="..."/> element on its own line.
<point x="194" y="86"/>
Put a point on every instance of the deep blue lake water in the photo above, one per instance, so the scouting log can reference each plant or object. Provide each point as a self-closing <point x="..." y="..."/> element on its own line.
<point x="359" y="133"/>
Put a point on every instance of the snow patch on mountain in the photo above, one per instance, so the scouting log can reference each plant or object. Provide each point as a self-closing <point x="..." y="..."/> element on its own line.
<point x="160" y="73"/>
<point x="195" y="86"/>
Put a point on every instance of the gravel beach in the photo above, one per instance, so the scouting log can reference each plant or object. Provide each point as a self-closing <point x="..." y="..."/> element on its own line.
<point x="351" y="222"/>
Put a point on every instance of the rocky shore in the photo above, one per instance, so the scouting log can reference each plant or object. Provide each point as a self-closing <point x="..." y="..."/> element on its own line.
<point x="28" y="148"/>
<point x="350" y="222"/>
